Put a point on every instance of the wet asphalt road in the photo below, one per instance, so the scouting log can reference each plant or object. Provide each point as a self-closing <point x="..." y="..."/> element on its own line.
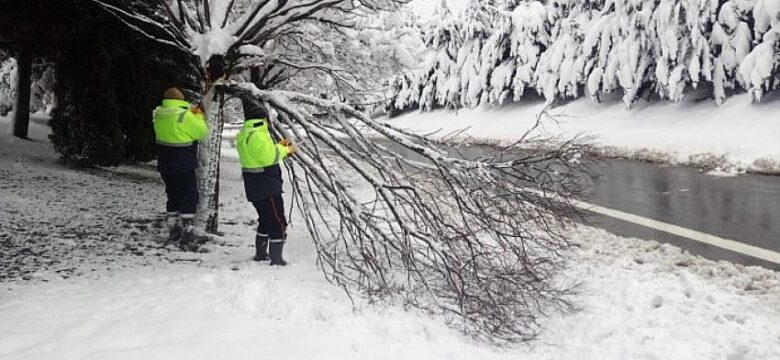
<point x="743" y="208"/>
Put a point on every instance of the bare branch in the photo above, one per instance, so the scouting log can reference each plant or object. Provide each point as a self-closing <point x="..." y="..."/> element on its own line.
<point x="476" y="240"/>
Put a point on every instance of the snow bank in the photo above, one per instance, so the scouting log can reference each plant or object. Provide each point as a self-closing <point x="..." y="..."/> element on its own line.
<point x="736" y="135"/>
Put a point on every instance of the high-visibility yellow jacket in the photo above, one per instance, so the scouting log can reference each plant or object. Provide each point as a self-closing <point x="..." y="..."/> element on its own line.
<point x="260" y="156"/>
<point x="177" y="131"/>
<point x="176" y="126"/>
<point x="256" y="149"/>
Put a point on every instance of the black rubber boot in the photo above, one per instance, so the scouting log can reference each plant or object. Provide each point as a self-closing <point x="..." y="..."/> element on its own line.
<point x="261" y="248"/>
<point x="275" y="249"/>
<point x="187" y="241"/>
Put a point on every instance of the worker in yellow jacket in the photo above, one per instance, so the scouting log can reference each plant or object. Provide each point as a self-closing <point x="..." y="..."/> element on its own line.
<point x="178" y="127"/>
<point x="260" y="157"/>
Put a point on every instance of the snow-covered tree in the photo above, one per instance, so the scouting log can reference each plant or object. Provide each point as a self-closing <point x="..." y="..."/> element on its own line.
<point x="731" y="41"/>
<point x="452" y="236"/>
<point x="435" y="82"/>
<point x="7" y="85"/>
<point x="498" y="66"/>
<point x="639" y="48"/>
<point x="760" y="70"/>
<point x="477" y="26"/>
<point x="361" y="58"/>
<point x="684" y="55"/>
<point x="42" y="92"/>
<point x="224" y="38"/>
<point x="512" y="52"/>
<point x="620" y="45"/>
<point x="562" y="68"/>
<point x="528" y="40"/>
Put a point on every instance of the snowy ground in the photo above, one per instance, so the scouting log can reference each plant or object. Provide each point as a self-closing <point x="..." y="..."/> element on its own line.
<point x="731" y="138"/>
<point x="639" y="300"/>
<point x="57" y="222"/>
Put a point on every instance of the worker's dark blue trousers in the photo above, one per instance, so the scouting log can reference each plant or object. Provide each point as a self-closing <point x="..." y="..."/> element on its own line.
<point x="271" y="219"/>
<point x="182" y="191"/>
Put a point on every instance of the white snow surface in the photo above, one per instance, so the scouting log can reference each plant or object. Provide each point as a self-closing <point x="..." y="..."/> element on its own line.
<point x="734" y="137"/>
<point x="638" y="300"/>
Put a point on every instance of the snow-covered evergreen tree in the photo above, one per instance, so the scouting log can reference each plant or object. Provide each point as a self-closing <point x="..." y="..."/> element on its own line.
<point x="498" y="67"/>
<point x="435" y="82"/>
<point x="477" y="27"/>
<point x="622" y="50"/>
<point x="684" y="55"/>
<point x="640" y="48"/>
<point x="731" y="41"/>
<point x="760" y="70"/>
<point x="562" y="68"/>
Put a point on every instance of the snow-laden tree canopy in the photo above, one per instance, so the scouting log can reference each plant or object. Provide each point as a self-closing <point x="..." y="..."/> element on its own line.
<point x="42" y="97"/>
<point x="303" y="44"/>
<point x="637" y="48"/>
<point x="476" y="239"/>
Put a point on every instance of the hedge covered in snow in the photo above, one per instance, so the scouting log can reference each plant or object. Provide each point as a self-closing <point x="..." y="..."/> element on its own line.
<point x="498" y="49"/>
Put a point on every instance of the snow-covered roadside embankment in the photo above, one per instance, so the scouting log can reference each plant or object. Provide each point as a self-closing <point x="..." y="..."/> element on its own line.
<point x="734" y="137"/>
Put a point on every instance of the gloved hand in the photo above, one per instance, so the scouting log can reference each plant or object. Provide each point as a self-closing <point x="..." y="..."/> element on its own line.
<point x="197" y="109"/>
<point x="288" y="144"/>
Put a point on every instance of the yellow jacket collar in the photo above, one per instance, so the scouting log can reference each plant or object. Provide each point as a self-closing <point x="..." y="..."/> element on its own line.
<point x="175" y="103"/>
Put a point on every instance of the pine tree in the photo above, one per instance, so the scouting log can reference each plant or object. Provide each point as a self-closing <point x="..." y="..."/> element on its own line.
<point x="731" y="41"/>
<point x="438" y="76"/>
<point x="663" y="48"/>
<point x="477" y="26"/>
<point x="760" y="70"/>
<point x="498" y="66"/>
<point x="562" y="68"/>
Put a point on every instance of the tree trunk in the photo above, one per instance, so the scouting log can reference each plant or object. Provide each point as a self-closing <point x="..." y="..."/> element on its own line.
<point x="23" y="89"/>
<point x="208" y="173"/>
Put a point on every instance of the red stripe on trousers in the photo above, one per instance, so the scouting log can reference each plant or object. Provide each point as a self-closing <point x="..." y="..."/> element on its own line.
<point x="276" y="215"/>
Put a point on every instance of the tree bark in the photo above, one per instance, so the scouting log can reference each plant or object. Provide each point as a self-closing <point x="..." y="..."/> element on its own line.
<point x="208" y="172"/>
<point x="23" y="89"/>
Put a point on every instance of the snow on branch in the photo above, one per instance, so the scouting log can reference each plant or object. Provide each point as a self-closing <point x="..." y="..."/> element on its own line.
<point x="474" y="238"/>
<point x="144" y="25"/>
<point x="222" y="27"/>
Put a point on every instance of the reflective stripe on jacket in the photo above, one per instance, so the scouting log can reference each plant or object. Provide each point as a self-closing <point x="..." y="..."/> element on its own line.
<point x="260" y="156"/>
